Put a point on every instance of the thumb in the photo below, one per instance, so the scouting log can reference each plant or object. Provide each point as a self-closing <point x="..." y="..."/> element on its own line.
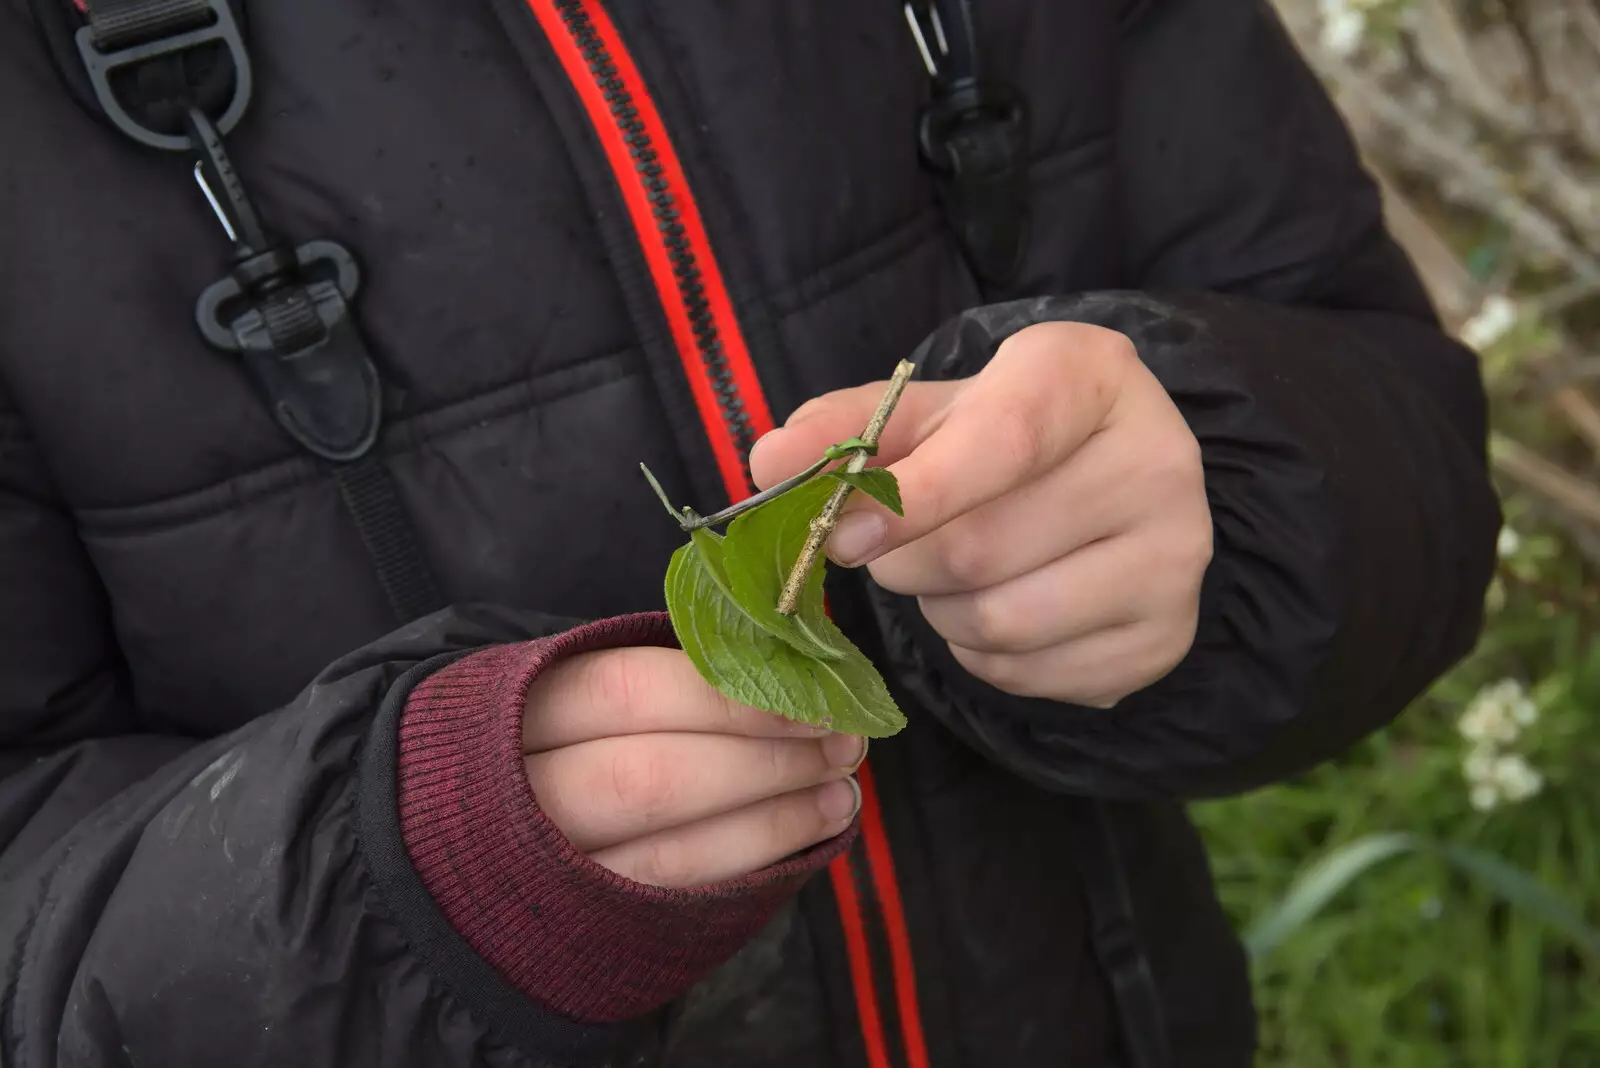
<point x="840" y="415"/>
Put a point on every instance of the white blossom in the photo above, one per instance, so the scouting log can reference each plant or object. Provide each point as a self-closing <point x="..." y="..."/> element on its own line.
<point x="1494" y="318"/>
<point x="1491" y="722"/>
<point x="1343" y="26"/>
<point x="1498" y="714"/>
<point x="1478" y="767"/>
<point x="1494" y="598"/>
<point x="1516" y="778"/>
<point x="1508" y="543"/>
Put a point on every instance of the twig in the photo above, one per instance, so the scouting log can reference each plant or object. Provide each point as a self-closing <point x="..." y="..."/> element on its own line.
<point x="738" y="508"/>
<point x="1566" y="370"/>
<point x="1461" y="71"/>
<point x="1579" y="600"/>
<point x="828" y="518"/>
<point x="1580" y="413"/>
<point x="1492" y="188"/>
<point x="1556" y="484"/>
<point x="1564" y="296"/>
<point x="689" y="521"/>
<point x="1447" y="278"/>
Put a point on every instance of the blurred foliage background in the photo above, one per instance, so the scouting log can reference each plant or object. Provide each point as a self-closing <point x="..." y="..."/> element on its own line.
<point x="1433" y="899"/>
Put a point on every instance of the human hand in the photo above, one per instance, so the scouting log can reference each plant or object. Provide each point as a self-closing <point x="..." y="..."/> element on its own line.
<point x="1056" y="528"/>
<point x="655" y="775"/>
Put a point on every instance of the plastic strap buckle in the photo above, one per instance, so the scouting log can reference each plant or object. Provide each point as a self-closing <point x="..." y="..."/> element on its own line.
<point x="974" y="137"/>
<point x="103" y="63"/>
<point x="287" y="315"/>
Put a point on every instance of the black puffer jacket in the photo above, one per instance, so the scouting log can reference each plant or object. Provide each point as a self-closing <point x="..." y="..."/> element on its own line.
<point x="200" y="867"/>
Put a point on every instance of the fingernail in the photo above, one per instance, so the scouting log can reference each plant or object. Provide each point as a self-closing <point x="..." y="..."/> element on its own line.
<point x="839" y="801"/>
<point x="757" y="446"/>
<point x="845" y="750"/>
<point x="856" y="538"/>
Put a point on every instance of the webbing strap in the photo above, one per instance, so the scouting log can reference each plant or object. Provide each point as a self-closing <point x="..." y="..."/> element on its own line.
<point x="369" y="496"/>
<point x="1116" y="940"/>
<point x="116" y="23"/>
<point x="285" y="312"/>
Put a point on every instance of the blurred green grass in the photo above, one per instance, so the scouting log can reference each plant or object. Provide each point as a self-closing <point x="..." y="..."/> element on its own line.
<point x="1417" y="963"/>
<point x="1477" y="947"/>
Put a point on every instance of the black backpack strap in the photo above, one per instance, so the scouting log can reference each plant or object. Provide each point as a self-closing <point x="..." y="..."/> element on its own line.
<point x="973" y="136"/>
<point x="1116" y="940"/>
<point x="175" y="75"/>
<point x="367" y="489"/>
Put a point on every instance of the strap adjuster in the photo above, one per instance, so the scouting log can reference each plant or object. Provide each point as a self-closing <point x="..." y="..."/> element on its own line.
<point x="252" y="330"/>
<point x="290" y="324"/>
<point x="104" y="56"/>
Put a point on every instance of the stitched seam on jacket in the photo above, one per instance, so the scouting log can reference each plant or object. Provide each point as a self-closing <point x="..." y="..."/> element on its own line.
<point x="899" y="243"/>
<point x="906" y="237"/>
<point x="404" y="437"/>
<point x="1096" y="150"/>
<point x="280" y="475"/>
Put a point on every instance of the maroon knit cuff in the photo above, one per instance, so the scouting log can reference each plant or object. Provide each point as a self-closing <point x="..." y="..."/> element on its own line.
<point x="575" y="937"/>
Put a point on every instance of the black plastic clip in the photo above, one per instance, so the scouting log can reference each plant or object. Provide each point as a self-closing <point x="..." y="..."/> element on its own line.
<point x="287" y="315"/>
<point x="265" y="272"/>
<point x="102" y="63"/>
<point x="974" y="138"/>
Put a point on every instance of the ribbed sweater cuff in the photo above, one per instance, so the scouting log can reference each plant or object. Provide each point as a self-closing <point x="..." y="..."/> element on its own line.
<point x="575" y="937"/>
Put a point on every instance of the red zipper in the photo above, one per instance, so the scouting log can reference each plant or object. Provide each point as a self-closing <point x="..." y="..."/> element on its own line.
<point x="699" y="311"/>
<point x="728" y="395"/>
<point x="848" y="898"/>
<point x="881" y="863"/>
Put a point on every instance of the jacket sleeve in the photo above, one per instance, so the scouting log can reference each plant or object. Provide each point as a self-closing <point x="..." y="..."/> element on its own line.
<point x="362" y="877"/>
<point x="1343" y="433"/>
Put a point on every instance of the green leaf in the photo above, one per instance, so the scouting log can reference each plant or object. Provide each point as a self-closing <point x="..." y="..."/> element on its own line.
<point x="760" y="548"/>
<point x="1320" y="884"/>
<point x="1523" y="891"/>
<point x="1312" y="892"/>
<point x="760" y="669"/>
<point x="875" y="482"/>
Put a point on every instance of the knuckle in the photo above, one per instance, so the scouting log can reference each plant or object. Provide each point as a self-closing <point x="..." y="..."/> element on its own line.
<point x="1178" y="461"/>
<point x="997" y="670"/>
<point x="723" y="714"/>
<point x="1120" y="350"/>
<point x="665" y="861"/>
<point x="928" y="501"/>
<point x="812" y="408"/>
<point x="1103" y="698"/>
<point x="964" y="555"/>
<point x="612" y="681"/>
<point x="1200" y="548"/>
<point x="1185" y="553"/>
<point x="1015" y="436"/>
<point x="1118" y="358"/>
<point x="775" y="754"/>
<point x="993" y="620"/>
<point x="1167" y="648"/>
<point x="642" y="782"/>
<point x="794" y="823"/>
